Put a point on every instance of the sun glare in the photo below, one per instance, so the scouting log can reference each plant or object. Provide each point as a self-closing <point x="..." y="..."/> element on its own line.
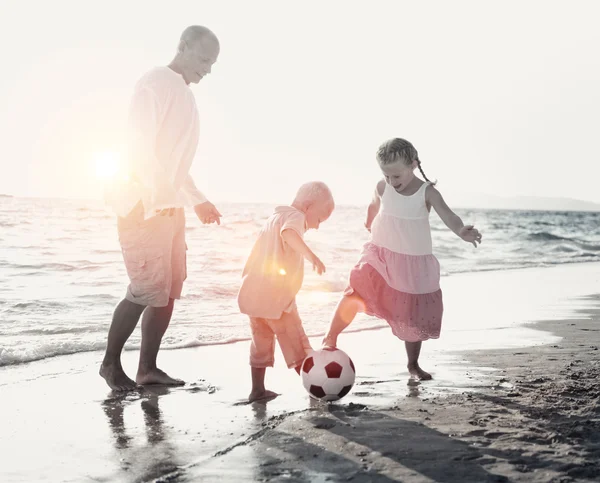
<point x="107" y="164"/>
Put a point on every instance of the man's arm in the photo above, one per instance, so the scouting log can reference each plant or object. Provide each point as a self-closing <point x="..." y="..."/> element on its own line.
<point x="205" y="211"/>
<point x="193" y="196"/>
<point x="147" y="170"/>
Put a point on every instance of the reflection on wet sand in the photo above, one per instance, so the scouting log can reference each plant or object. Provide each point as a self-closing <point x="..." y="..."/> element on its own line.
<point x="141" y="459"/>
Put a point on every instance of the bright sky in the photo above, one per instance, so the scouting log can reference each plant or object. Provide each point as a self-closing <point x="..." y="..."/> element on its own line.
<point x="498" y="97"/>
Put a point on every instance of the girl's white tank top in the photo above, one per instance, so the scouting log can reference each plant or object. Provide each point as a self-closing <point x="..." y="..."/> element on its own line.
<point x="402" y="224"/>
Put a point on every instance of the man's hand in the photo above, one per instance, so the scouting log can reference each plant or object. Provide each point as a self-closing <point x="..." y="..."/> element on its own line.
<point x="207" y="213"/>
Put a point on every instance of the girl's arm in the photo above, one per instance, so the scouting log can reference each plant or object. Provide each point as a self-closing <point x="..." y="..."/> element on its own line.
<point x="373" y="208"/>
<point x="467" y="232"/>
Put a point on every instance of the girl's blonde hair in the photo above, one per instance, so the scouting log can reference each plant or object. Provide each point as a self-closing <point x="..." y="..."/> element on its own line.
<point x="398" y="149"/>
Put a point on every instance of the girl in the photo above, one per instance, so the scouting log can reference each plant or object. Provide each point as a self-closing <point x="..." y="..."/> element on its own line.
<point x="397" y="277"/>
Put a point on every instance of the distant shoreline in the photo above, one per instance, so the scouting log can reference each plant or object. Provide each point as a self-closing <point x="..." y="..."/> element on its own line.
<point x="578" y="206"/>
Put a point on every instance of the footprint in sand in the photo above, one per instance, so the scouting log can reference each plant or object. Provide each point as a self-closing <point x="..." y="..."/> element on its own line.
<point x="370" y="383"/>
<point x="245" y="402"/>
<point x="201" y="386"/>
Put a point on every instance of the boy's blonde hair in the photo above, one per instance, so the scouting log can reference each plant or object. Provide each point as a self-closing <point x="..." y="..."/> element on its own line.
<point x="314" y="192"/>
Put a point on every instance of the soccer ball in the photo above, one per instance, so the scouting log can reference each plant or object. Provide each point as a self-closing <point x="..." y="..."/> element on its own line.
<point x="328" y="374"/>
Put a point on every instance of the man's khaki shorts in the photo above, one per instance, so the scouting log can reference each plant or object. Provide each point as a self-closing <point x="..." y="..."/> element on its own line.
<point x="154" y="251"/>
<point x="289" y="333"/>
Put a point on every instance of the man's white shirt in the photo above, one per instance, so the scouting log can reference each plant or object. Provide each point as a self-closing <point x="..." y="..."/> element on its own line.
<point x="163" y="134"/>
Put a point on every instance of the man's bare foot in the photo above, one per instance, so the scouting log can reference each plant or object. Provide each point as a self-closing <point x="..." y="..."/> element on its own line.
<point x="329" y="341"/>
<point x="156" y="376"/>
<point x="418" y="373"/>
<point x="116" y="378"/>
<point x="265" y="395"/>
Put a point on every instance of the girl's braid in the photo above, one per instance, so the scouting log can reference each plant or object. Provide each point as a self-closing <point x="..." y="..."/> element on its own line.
<point x="422" y="172"/>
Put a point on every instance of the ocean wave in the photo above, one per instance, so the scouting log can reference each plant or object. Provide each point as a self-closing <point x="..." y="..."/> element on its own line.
<point x="80" y="272"/>
<point x="21" y="355"/>
<point x="93" y="283"/>
<point x="28" y="353"/>
<point x="25" y="247"/>
<point x="203" y="343"/>
<point x="375" y="324"/>
<point x="105" y="252"/>
<point x="539" y="263"/>
<point x="38" y="304"/>
<point x="328" y="286"/>
<point x="50" y="330"/>
<point x="545" y="236"/>
<point x="214" y="291"/>
<point x="61" y="267"/>
<point x="564" y="249"/>
<point x="31" y="353"/>
<point x="99" y="296"/>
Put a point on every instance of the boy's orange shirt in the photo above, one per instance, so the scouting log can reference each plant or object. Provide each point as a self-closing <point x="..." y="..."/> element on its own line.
<point x="274" y="272"/>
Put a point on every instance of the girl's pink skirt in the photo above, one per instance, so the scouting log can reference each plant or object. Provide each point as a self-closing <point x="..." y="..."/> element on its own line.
<point x="401" y="289"/>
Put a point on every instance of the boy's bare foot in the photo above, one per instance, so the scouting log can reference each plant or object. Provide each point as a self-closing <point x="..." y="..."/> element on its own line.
<point x="262" y="395"/>
<point x="156" y="376"/>
<point x="418" y="373"/>
<point x="116" y="378"/>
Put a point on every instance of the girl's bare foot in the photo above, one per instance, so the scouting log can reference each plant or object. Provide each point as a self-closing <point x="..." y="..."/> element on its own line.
<point x="418" y="373"/>
<point x="156" y="376"/>
<point x="329" y="341"/>
<point x="265" y="395"/>
<point x="116" y="378"/>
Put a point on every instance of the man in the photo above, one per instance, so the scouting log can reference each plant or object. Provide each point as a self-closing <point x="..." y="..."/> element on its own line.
<point x="164" y="133"/>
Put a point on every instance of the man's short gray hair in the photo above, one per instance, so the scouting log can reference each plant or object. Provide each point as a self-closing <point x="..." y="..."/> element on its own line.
<point x="314" y="192"/>
<point x="196" y="33"/>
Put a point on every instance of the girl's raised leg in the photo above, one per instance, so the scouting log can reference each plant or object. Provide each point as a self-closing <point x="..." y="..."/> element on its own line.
<point x="344" y="314"/>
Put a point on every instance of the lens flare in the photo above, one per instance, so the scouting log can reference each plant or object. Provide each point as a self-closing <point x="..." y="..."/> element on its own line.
<point x="107" y="164"/>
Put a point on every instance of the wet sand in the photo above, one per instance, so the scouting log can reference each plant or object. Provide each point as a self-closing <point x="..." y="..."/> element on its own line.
<point x="527" y="411"/>
<point x="538" y="420"/>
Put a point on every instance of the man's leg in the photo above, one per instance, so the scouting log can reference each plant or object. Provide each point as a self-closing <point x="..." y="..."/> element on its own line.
<point x="154" y="325"/>
<point x="125" y="318"/>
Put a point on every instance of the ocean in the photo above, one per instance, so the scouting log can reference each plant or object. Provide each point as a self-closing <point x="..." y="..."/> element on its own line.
<point x="61" y="271"/>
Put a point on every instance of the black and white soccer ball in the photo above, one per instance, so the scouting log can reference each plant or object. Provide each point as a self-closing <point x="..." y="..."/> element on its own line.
<point x="328" y="374"/>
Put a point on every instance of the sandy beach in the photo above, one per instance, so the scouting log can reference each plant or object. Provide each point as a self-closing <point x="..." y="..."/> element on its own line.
<point x="538" y="421"/>
<point x="515" y="402"/>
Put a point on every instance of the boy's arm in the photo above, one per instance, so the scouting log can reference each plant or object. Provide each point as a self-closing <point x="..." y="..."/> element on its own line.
<point x="373" y="208"/>
<point x="296" y="243"/>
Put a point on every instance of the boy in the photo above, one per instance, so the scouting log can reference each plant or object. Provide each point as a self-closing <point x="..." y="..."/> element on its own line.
<point x="273" y="276"/>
